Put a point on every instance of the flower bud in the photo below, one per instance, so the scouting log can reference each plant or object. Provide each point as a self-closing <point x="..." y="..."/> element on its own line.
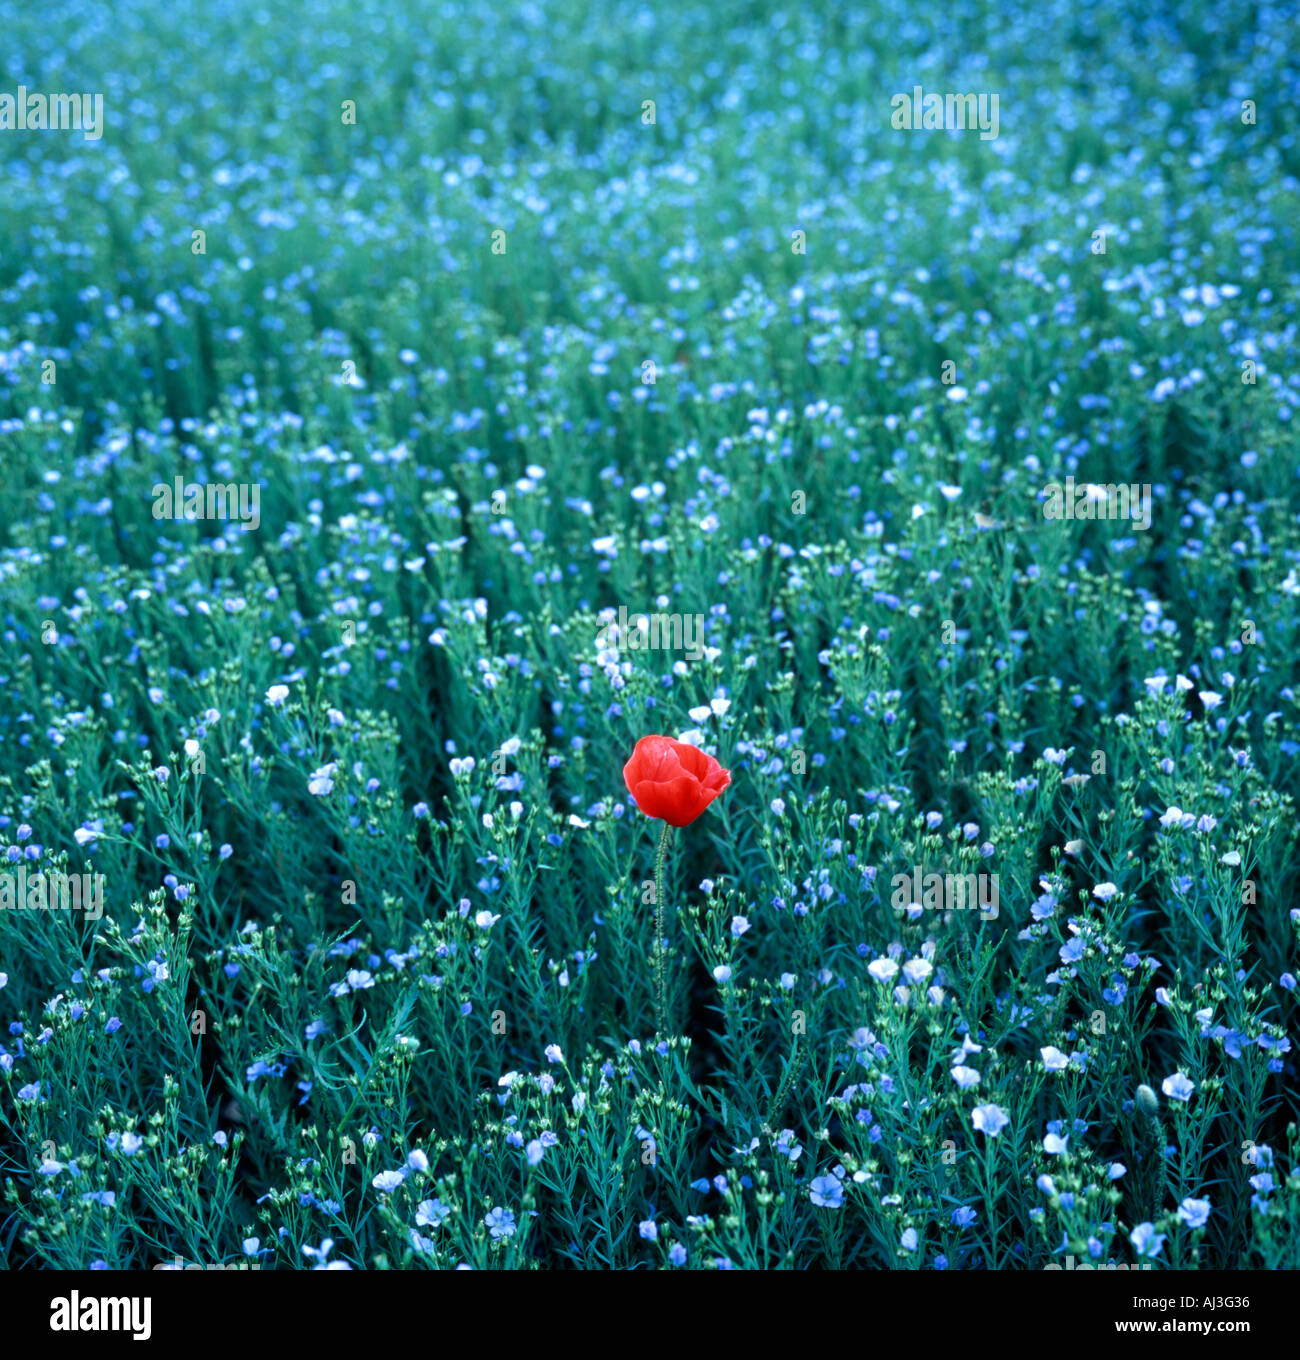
<point x="1147" y="1101"/>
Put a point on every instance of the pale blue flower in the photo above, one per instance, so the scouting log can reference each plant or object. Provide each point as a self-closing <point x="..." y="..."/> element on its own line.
<point x="989" y="1120"/>
<point x="1146" y="1241"/>
<point x="431" y="1213"/>
<point x="966" y="1078"/>
<point x="827" y="1192"/>
<point x="1194" y="1212"/>
<point x="1178" y="1087"/>
<point x="501" y="1222"/>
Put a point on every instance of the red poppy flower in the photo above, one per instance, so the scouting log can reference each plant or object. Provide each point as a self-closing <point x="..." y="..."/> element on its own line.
<point x="673" y="781"/>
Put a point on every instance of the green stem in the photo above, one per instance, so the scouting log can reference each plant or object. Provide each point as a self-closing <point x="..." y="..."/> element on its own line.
<point x="783" y="1091"/>
<point x="1152" y="1172"/>
<point x="659" y="930"/>
<point x="1160" y="1168"/>
<point x="990" y="1198"/>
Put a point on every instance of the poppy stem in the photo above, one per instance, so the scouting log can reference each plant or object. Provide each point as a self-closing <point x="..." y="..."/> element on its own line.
<point x="783" y="1091"/>
<point x="659" y="929"/>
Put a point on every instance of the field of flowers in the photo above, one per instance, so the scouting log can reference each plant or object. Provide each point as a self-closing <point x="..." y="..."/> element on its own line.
<point x="407" y="411"/>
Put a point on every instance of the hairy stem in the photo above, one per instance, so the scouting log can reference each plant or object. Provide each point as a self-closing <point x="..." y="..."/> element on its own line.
<point x="783" y="1091"/>
<point x="659" y="930"/>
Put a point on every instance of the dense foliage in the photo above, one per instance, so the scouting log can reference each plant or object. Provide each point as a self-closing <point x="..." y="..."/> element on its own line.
<point x="505" y="318"/>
